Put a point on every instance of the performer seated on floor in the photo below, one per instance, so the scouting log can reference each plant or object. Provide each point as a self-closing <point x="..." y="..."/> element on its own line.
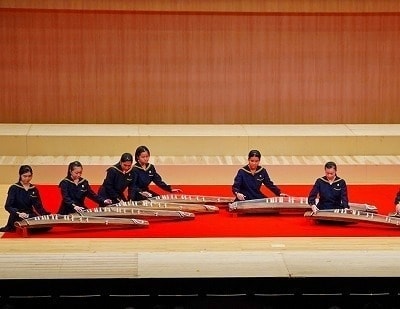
<point x="248" y="180"/>
<point x="397" y="203"/>
<point x="119" y="177"/>
<point x="75" y="189"/>
<point x="330" y="189"/>
<point x="145" y="174"/>
<point x="23" y="200"/>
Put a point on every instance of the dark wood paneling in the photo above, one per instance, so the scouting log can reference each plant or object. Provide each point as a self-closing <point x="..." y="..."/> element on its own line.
<point x="142" y="67"/>
<point x="310" y="6"/>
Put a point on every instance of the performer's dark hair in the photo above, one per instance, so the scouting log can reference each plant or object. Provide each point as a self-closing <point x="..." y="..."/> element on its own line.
<point x="126" y="157"/>
<point x="254" y="153"/>
<point x="139" y="150"/>
<point x="330" y="164"/>
<point x="24" y="169"/>
<point x="72" y="165"/>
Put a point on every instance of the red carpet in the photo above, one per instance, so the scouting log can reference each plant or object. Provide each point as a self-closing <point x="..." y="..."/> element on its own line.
<point x="224" y="224"/>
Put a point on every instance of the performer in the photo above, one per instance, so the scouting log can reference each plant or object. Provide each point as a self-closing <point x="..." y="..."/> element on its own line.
<point x="74" y="190"/>
<point x="397" y="202"/>
<point x="145" y="173"/>
<point x="23" y="200"/>
<point x="330" y="189"/>
<point x="248" y="180"/>
<point x="119" y="177"/>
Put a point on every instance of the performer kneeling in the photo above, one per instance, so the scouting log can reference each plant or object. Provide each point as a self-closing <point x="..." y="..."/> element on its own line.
<point x="248" y="180"/>
<point x="397" y="203"/>
<point x="23" y="200"/>
<point x="330" y="189"/>
<point x="119" y="177"/>
<point x="75" y="189"/>
<point x="145" y="173"/>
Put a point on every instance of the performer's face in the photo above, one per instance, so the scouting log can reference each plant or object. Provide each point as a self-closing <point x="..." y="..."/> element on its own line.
<point x="26" y="178"/>
<point x="330" y="173"/>
<point x="144" y="158"/>
<point x="76" y="172"/>
<point x="254" y="162"/>
<point x="125" y="166"/>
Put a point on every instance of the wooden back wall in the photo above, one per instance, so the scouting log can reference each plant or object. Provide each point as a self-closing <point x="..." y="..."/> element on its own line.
<point x="173" y="66"/>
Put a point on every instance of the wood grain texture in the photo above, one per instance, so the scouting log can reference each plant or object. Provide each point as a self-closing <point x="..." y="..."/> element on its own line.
<point x="211" y="6"/>
<point x="204" y="258"/>
<point x="68" y="66"/>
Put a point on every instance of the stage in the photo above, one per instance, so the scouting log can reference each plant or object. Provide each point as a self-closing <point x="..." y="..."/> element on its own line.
<point x="210" y="262"/>
<point x="200" y="269"/>
<point x="195" y="272"/>
<point x="201" y="83"/>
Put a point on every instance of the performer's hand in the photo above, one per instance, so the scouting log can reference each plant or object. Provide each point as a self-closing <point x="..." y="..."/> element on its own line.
<point x="108" y="201"/>
<point x="283" y="195"/>
<point x="314" y="208"/>
<point x="146" y="194"/>
<point x="398" y="208"/>
<point x="240" y="196"/>
<point x="79" y="208"/>
<point x="23" y="215"/>
<point x="176" y="191"/>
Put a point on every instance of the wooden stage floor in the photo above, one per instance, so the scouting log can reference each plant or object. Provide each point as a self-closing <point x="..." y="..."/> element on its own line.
<point x="281" y="257"/>
<point x="241" y="271"/>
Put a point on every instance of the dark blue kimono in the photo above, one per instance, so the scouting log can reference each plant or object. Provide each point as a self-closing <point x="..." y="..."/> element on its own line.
<point x="115" y="184"/>
<point x="331" y="196"/>
<point x="144" y="177"/>
<point x="21" y="200"/>
<point x="397" y="198"/>
<point x="250" y="185"/>
<point x="74" y="195"/>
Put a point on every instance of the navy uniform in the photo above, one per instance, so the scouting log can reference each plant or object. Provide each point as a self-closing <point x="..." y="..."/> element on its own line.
<point x="250" y="184"/>
<point x="115" y="184"/>
<point x="21" y="200"/>
<point x="143" y="178"/>
<point x="74" y="195"/>
<point x="397" y="198"/>
<point x="331" y="195"/>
